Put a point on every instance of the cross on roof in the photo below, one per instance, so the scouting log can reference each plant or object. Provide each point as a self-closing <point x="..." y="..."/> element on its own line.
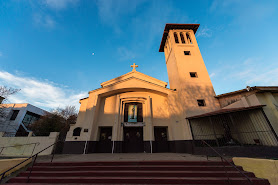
<point x="134" y="66"/>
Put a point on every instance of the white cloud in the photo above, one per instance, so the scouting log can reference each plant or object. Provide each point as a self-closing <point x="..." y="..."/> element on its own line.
<point x="40" y="93"/>
<point x="59" y="4"/>
<point x="44" y="20"/>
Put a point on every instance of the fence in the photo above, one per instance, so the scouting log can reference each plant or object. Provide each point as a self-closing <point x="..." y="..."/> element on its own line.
<point x="247" y="128"/>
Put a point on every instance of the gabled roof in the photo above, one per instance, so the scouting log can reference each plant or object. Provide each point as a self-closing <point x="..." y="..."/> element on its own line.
<point x="125" y="85"/>
<point x="135" y="74"/>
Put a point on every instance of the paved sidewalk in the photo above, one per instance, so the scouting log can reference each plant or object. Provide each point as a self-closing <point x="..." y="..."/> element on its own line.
<point x="127" y="157"/>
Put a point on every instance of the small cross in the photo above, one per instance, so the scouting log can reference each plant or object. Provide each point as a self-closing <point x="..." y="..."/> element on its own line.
<point x="134" y="66"/>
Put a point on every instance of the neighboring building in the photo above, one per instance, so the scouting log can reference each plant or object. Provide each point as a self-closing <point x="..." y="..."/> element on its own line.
<point x="18" y="117"/>
<point x="138" y="113"/>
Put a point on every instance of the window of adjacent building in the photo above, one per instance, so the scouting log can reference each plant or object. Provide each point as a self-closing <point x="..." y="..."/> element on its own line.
<point x="14" y="115"/>
<point x="76" y="131"/>
<point x="30" y="118"/>
<point x="187" y="53"/>
<point x="193" y="75"/>
<point x="182" y="38"/>
<point x="189" y="41"/>
<point x="176" y="37"/>
<point x="201" y="103"/>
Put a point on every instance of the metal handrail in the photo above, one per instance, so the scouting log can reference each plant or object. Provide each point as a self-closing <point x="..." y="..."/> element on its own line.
<point x="231" y="164"/>
<point x="35" y="144"/>
<point x="31" y="157"/>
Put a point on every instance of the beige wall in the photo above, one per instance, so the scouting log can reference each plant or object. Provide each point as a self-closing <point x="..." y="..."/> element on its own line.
<point x="262" y="168"/>
<point x="6" y="164"/>
<point x="26" y="150"/>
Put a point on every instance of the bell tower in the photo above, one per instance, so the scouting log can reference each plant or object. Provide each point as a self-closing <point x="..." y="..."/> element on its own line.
<point x="186" y="69"/>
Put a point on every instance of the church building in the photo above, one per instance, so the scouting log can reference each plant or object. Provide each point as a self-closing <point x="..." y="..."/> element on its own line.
<point x="138" y="113"/>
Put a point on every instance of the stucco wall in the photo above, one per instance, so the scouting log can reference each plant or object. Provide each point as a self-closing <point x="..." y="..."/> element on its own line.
<point x="26" y="150"/>
<point x="262" y="168"/>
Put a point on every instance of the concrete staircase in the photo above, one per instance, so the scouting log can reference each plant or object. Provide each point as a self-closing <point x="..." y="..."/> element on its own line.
<point x="138" y="172"/>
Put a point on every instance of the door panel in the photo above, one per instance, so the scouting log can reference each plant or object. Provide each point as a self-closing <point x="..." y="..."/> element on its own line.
<point x="133" y="140"/>
<point x="161" y="139"/>
<point x="104" y="144"/>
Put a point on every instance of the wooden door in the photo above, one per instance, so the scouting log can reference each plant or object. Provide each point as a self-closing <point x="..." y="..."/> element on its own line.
<point x="133" y="140"/>
<point x="104" y="144"/>
<point x="161" y="139"/>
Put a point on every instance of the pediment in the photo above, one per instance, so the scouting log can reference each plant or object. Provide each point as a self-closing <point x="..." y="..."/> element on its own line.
<point x="137" y="75"/>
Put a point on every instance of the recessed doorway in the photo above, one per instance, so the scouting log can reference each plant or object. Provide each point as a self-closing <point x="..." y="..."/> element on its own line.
<point x="104" y="144"/>
<point x="133" y="140"/>
<point x="161" y="139"/>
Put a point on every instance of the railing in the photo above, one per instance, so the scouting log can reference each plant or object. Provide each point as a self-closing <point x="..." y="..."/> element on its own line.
<point x="2" y="175"/>
<point x="35" y="144"/>
<point x="231" y="164"/>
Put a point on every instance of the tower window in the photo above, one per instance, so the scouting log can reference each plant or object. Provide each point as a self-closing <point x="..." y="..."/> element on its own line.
<point x="201" y="103"/>
<point x="176" y="37"/>
<point x="189" y="41"/>
<point x="193" y="75"/>
<point x="187" y="53"/>
<point x="182" y="38"/>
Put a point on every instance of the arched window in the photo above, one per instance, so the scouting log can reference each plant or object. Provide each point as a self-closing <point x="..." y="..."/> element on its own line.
<point x="189" y="41"/>
<point x="182" y="38"/>
<point x="176" y="37"/>
<point x="76" y="131"/>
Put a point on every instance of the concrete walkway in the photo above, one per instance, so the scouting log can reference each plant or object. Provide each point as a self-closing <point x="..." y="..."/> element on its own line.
<point x="126" y="157"/>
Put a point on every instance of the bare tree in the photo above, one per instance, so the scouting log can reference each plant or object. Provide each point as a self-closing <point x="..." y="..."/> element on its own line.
<point x="5" y="92"/>
<point x="66" y="112"/>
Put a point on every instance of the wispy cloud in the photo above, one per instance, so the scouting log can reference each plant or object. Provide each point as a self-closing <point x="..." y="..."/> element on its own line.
<point x="44" y="20"/>
<point x="204" y="32"/>
<point x="1" y="54"/>
<point x="42" y="93"/>
<point x="244" y="12"/>
<point x="112" y="10"/>
<point x="59" y="4"/>
<point x="212" y="75"/>
<point x="125" y="54"/>
<point x="250" y="71"/>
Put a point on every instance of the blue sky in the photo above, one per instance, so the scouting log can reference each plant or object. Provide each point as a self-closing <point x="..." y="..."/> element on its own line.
<point x="46" y="46"/>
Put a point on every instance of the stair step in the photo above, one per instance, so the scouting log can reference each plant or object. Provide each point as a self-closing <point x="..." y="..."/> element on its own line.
<point x="127" y="168"/>
<point x="135" y="174"/>
<point x="141" y="180"/>
<point x="126" y="163"/>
